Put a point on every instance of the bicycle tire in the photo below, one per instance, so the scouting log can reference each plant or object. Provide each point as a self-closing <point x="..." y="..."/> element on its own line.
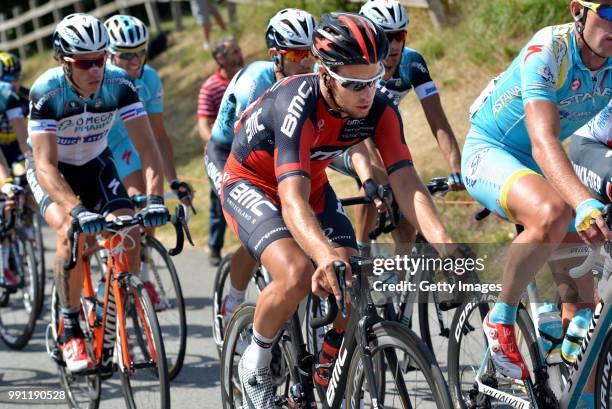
<point x="603" y="387"/>
<point x="221" y="275"/>
<point x="158" y="373"/>
<point x="24" y="266"/>
<point x="40" y="256"/>
<point x="175" y="346"/>
<point x="389" y="334"/>
<point x="242" y="318"/>
<point x="90" y="394"/>
<point x="480" y="302"/>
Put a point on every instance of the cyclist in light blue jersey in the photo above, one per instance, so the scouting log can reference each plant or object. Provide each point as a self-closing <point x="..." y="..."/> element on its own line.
<point x="405" y="70"/>
<point x="290" y="54"/>
<point x="514" y="164"/>
<point x="72" y="175"/>
<point x="129" y="38"/>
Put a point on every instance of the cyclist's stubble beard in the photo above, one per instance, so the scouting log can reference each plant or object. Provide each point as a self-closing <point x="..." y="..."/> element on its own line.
<point x="597" y="33"/>
<point x="350" y="103"/>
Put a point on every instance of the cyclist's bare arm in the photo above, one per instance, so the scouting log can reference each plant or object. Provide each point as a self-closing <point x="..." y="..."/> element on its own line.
<point x="44" y="149"/>
<point x="4" y="169"/>
<point x="417" y="205"/>
<point x="362" y="163"/>
<point x="205" y="125"/>
<point x="302" y="222"/>
<point x="142" y="137"/>
<point x="164" y="145"/>
<point x="442" y="131"/>
<point x="20" y="126"/>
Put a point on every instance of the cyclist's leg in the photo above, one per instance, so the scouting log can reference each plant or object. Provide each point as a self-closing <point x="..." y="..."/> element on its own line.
<point x="68" y="283"/>
<point x="505" y="185"/>
<point x="242" y="263"/>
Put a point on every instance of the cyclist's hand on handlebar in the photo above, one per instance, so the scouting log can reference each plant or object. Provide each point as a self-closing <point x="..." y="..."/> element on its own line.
<point x="381" y="195"/>
<point x="325" y="280"/>
<point x="155" y="213"/>
<point x="454" y="181"/>
<point x="183" y="191"/>
<point x="90" y="223"/>
<point x="590" y="224"/>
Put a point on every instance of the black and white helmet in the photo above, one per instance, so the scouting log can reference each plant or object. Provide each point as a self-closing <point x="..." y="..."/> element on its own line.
<point x="290" y="28"/>
<point x="389" y="14"/>
<point x="79" y="33"/>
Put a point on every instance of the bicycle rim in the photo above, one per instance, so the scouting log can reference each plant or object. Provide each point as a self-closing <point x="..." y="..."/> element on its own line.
<point x="171" y="309"/>
<point x="146" y="385"/>
<point x="39" y="250"/>
<point x="20" y="305"/>
<point x="411" y="377"/>
<point x="467" y="349"/>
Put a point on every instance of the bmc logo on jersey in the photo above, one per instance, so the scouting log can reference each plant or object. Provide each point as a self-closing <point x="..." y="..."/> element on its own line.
<point x="296" y="106"/>
<point x="252" y="125"/>
<point x="250" y="198"/>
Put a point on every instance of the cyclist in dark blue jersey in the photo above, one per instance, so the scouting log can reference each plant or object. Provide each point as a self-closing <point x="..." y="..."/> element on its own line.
<point x="13" y="126"/>
<point x="73" y="176"/>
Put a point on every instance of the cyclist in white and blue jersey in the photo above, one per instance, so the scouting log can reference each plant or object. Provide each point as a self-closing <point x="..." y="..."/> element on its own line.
<point x="289" y="38"/>
<point x="514" y="164"/>
<point x="591" y="155"/>
<point x="129" y="38"/>
<point x="405" y="70"/>
<point x="72" y="175"/>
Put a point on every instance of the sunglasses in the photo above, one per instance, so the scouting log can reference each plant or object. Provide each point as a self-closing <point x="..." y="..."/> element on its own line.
<point x="295" y="55"/>
<point x="399" y="36"/>
<point x="129" y="56"/>
<point x="602" y="11"/>
<point x="87" y="63"/>
<point x="357" y="84"/>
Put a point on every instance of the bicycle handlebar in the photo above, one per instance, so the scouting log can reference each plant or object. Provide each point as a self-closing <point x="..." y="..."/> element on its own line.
<point x="332" y="304"/>
<point x="124" y="222"/>
<point x="593" y="255"/>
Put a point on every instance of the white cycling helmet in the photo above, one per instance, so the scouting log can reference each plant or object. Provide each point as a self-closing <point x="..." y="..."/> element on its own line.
<point x="79" y="33"/>
<point x="389" y="14"/>
<point x="126" y="33"/>
<point x="290" y="28"/>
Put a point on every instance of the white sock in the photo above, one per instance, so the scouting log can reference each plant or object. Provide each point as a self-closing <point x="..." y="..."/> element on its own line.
<point x="234" y="299"/>
<point x="259" y="352"/>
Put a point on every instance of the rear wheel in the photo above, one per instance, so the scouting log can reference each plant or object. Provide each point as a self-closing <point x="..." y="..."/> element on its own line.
<point x="19" y="305"/>
<point x="603" y="383"/>
<point x="170" y="309"/>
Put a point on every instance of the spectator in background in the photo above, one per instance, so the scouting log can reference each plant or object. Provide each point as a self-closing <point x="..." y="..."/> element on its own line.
<point x="228" y="56"/>
<point x="201" y="10"/>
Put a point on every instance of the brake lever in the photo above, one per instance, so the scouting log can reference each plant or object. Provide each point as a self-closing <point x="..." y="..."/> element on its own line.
<point x="185" y="224"/>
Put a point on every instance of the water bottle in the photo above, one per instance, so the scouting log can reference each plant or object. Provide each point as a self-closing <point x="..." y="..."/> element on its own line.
<point x="551" y="332"/>
<point x="100" y="301"/>
<point x="576" y="331"/>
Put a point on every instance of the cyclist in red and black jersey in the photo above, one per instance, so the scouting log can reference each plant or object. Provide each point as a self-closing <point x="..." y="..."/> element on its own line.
<point x="275" y="193"/>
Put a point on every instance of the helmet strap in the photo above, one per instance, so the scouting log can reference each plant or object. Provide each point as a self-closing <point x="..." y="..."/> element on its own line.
<point x="580" y="23"/>
<point x="330" y="92"/>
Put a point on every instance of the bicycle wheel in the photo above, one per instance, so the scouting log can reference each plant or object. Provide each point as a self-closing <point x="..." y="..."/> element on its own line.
<point x="171" y="306"/>
<point x="20" y="305"/>
<point x="412" y="377"/>
<point x="39" y="251"/>
<point x="603" y="387"/>
<point x="434" y="323"/>
<point x="221" y="287"/>
<point x="467" y="349"/>
<point x="238" y="338"/>
<point x="146" y="384"/>
<point x="82" y="391"/>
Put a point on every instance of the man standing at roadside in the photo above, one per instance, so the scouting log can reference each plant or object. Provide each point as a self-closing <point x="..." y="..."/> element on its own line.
<point x="228" y="57"/>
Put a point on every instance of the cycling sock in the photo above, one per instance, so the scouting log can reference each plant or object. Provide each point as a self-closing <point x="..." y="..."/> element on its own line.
<point x="363" y="248"/>
<point x="503" y="313"/>
<point x="72" y="328"/>
<point x="234" y="299"/>
<point x="259" y="352"/>
<point x="587" y="400"/>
